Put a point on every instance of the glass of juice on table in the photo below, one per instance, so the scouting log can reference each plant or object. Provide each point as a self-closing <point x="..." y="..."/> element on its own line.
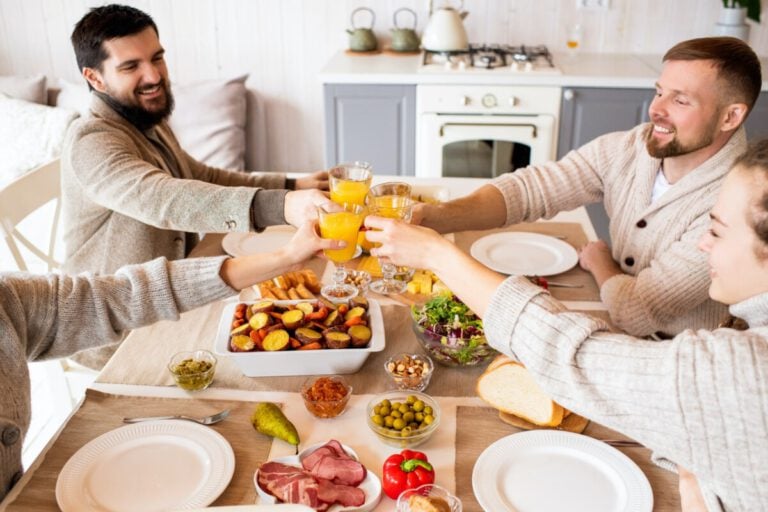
<point x="340" y="222"/>
<point x="391" y="200"/>
<point x="349" y="182"/>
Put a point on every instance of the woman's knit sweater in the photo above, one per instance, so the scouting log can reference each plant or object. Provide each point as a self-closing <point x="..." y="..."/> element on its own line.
<point x="49" y="316"/>
<point x="699" y="400"/>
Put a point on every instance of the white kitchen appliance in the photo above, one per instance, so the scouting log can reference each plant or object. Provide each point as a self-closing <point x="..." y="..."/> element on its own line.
<point x="481" y="131"/>
<point x="445" y="30"/>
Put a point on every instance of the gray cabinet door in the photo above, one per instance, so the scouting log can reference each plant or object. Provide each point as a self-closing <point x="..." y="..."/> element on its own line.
<point x="374" y="123"/>
<point x="757" y="122"/>
<point x="590" y="112"/>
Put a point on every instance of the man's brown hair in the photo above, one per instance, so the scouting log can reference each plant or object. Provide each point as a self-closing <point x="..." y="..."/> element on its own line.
<point x="737" y="65"/>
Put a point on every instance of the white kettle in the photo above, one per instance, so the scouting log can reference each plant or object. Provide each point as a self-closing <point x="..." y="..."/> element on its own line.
<point x="445" y="30"/>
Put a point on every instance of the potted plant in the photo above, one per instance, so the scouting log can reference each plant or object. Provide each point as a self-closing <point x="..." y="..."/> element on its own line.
<point x="752" y="9"/>
<point x="732" y="21"/>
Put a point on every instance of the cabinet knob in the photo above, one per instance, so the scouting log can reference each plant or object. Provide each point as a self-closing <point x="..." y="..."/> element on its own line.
<point x="568" y="94"/>
<point x="464" y="100"/>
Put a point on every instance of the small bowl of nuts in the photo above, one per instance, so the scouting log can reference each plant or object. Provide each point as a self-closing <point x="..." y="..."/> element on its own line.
<point x="410" y="371"/>
<point x="360" y="279"/>
<point x="193" y="370"/>
<point x="327" y="396"/>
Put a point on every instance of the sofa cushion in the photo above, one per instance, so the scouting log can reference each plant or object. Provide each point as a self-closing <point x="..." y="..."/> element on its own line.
<point x="28" y="88"/>
<point x="30" y="135"/>
<point x="209" y="118"/>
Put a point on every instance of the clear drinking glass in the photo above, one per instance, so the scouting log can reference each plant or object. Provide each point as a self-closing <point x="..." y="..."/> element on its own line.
<point x="349" y="182"/>
<point x="340" y="222"/>
<point x="392" y="200"/>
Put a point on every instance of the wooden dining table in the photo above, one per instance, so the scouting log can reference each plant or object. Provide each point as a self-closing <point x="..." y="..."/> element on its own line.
<point x="136" y="382"/>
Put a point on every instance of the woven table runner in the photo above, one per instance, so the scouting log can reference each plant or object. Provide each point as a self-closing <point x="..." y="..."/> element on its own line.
<point x="479" y="427"/>
<point x="101" y="413"/>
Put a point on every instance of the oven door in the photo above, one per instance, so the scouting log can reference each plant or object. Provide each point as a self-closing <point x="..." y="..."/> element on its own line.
<point x="482" y="146"/>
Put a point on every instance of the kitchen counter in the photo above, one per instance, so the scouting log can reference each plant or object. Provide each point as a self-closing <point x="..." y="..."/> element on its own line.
<point x="580" y="70"/>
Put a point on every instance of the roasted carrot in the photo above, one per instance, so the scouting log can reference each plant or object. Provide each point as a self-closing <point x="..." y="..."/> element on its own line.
<point x="343" y="308"/>
<point x="262" y="333"/>
<point x="295" y="343"/>
<point x="315" y="345"/>
<point x="238" y="323"/>
<point x="355" y="320"/>
<point x="276" y="315"/>
<point x="318" y="315"/>
<point x="254" y="336"/>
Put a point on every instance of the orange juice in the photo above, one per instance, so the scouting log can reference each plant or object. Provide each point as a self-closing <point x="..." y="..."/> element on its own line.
<point x="347" y="191"/>
<point x="392" y="206"/>
<point x="341" y="226"/>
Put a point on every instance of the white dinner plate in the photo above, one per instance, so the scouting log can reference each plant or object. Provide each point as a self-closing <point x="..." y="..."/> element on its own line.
<point x="552" y="471"/>
<point x="524" y="254"/>
<point x="243" y="244"/>
<point x="149" y="466"/>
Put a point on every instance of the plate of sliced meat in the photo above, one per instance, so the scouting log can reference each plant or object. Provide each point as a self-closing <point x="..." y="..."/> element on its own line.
<point x="325" y="476"/>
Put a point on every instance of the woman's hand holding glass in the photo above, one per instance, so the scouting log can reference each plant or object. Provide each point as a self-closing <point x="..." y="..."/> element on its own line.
<point x="340" y="222"/>
<point x="406" y="244"/>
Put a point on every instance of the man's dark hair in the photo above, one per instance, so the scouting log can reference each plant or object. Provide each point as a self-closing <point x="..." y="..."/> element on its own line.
<point x="737" y="65"/>
<point x="102" y="24"/>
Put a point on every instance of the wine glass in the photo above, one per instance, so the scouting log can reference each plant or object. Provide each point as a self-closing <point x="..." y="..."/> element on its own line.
<point x="349" y="182"/>
<point x="391" y="200"/>
<point x="340" y="222"/>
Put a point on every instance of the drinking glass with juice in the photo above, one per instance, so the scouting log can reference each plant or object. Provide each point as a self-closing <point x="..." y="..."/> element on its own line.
<point x="340" y="222"/>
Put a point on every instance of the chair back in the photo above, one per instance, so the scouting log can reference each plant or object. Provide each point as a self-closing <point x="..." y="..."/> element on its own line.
<point x="21" y="198"/>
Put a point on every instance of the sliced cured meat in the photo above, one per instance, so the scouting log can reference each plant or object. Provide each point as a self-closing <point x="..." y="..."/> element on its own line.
<point x="339" y="471"/>
<point x="345" y="495"/>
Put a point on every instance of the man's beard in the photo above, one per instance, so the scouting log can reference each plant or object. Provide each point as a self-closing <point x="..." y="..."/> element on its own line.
<point x="675" y="147"/>
<point x="137" y="115"/>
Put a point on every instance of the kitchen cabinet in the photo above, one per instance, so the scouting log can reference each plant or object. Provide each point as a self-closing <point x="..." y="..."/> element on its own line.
<point x="375" y="123"/>
<point x="587" y="113"/>
<point x="757" y="122"/>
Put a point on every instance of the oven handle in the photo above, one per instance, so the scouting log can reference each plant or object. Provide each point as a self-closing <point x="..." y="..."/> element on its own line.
<point x="522" y="125"/>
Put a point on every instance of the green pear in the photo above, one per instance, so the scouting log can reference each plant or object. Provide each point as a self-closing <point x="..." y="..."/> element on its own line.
<point x="268" y="419"/>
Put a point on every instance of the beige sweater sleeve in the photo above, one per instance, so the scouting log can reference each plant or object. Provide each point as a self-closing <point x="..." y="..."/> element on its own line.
<point x="699" y="400"/>
<point x="59" y="315"/>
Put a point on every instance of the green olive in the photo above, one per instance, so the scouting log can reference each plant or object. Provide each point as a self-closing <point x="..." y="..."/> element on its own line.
<point x="410" y="400"/>
<point x="384" y="410"/>
<point x="406" y="432"/>
<point x="428" y="410"/>
<point x="396" y="414"/>
<point x="385" y="403"/>
<point x="399" y="424"/>
<point x="378" y="419"/>
<point x="408" y="417"/>
<point x="404" y="408"/>
<point x="428" y="419"/>
<point x="418" y="406"/>
<point x="389" y="421"/>
<point x="419" y="416"/>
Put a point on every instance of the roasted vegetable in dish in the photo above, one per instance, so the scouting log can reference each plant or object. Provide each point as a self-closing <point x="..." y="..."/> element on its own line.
<point x="271" y="326"/>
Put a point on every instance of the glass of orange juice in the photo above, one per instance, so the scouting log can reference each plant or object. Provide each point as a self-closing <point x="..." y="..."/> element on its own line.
<point x="349" y="182"/>
<point x="391" y="200"/>
<point x="340" y="222"/>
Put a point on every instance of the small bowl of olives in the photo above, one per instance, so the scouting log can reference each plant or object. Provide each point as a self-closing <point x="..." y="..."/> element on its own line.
<point x="193" y="370"/>
<point x="403" y="419"/>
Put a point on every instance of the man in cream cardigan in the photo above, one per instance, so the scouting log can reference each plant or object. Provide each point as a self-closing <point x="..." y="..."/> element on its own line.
<point x="657" y="181"/>
<point x="130" y="193"/>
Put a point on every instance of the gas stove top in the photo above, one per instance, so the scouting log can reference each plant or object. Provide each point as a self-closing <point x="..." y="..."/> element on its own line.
<point x="492" y="58"/>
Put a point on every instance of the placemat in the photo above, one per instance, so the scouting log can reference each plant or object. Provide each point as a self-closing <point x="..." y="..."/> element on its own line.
<point x="102" y="412"/>
<point x="142" y="358"/>
<point x="479" y="427"/>
<point x="574" y="235"/>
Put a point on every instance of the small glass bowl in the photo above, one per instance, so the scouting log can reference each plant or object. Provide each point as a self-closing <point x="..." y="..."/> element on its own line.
<point x="401" y="439"/>
<point x="319" y="395"/>
<point x="193" y="370"/>
<point x="429" y="491"/>
<point x="360" y="279"/>
<point x="410" y="371"/>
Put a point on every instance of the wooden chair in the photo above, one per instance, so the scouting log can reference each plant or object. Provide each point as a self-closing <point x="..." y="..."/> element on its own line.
<point x="21" y="198"/>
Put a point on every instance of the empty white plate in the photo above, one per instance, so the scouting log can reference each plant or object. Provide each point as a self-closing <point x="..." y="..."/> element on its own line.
<point x="150" y="466"/>
<point x="552" y="471"/>
<point x="524" y="254"/>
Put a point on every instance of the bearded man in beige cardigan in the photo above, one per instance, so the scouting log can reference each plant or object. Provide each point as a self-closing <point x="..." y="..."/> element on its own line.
<point x="130" y="193"/>
<point x="657" y="182"/>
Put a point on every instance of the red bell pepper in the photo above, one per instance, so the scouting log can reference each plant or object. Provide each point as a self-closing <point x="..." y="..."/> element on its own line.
<point x="406" y="470"/>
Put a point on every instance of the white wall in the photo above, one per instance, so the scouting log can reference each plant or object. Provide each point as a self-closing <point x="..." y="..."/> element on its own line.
<point x="284" y="43"/>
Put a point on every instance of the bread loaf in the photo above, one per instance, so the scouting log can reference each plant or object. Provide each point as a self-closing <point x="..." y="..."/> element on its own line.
<point x="418" y="503"/>
<point x="509" y="387"/>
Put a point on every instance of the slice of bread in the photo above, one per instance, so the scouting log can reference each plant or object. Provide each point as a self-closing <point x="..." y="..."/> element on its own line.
<point x="510" y="388"/>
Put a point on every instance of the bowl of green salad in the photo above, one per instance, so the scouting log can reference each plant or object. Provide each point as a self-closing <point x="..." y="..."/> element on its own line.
<point x="450" y="332"/>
